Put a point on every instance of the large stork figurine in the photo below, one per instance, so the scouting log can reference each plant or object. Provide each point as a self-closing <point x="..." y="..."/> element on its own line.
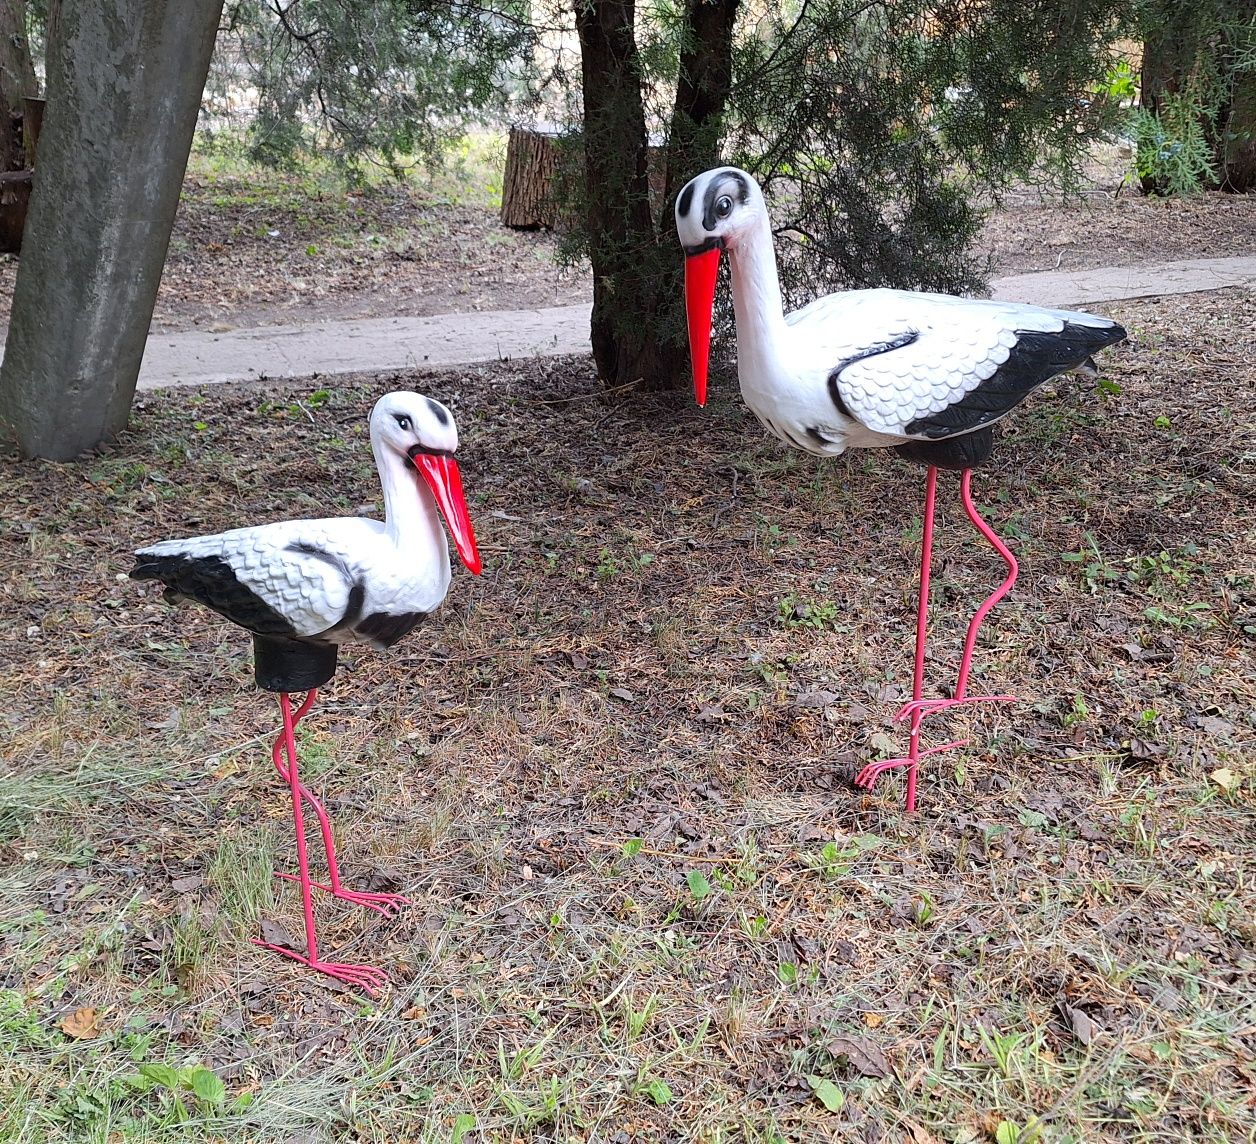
<point x="926" y="374"/>
<point x="304" y="587"/>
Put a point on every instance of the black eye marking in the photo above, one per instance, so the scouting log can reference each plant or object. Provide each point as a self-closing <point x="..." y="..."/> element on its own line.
<point x="723" y="206"/>
<point x="403" y="422"/>
<point x="717" y="192"/>
<point x="685" y="201"/>
<point x="438" y="411"/>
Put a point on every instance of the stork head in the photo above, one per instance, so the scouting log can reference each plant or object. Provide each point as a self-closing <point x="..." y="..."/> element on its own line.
<point x="714" y="212"/>
<point x="422" y="431"/>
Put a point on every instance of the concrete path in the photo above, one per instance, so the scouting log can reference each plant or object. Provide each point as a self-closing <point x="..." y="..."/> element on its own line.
<point x="376" y="344"/>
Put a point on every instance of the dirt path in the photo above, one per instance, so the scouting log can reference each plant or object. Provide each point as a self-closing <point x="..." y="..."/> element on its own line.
<point x="376" y="344"/>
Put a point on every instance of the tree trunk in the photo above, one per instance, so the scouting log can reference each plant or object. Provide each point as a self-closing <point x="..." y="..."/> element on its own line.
<point x="628" y="296"/>
<point x="1168" y="60"/>
<point x="527" y="187"/>
<point x="1236" y="155"/>
<point x="1191" y="49"/>
<point x="17" y="81"/>
<point x="124" y="84"/>
<point x="702" y="90"/>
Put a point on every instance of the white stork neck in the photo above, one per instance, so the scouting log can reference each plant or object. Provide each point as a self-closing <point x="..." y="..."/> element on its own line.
<point x="757" y="301"/>
<point x="410" y="513"/>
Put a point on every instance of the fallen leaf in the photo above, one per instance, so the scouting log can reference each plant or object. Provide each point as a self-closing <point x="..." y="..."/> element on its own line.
<point x="827" y="1093"/>
<point x="882" y="743"/>
<point x="83" y="1024"/>
<point x="226" y="769"/>
<point x="274" y="934"/>
<point x="863" y="1054"/>
<point x="622" y="693"/>
<point x="919" y="1134"/>
<point x="1084" y="1028"/>
<point x="1212" y="725"/>
<point x="1141" y="751"/>
<point x="1226" y="779"/>
<point x="186" y="884"/>
<point x="815" y="698"/>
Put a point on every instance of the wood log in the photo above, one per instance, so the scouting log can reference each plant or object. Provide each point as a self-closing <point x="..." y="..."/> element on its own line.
<point x="527" y="187"/>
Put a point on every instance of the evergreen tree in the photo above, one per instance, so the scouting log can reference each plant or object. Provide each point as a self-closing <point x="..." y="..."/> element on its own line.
<point x="1196" y="124"/>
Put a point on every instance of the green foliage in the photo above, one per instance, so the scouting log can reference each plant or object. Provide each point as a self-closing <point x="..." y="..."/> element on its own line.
<point x="827" y="1093"/>
<point x="1195" y="126"/>
<point x="368" y="80"/>
<point x="1172" y="152"/>
<point x="879" y="131"/>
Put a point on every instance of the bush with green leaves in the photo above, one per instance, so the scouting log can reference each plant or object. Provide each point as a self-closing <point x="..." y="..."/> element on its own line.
<point x="1195" y="126"/>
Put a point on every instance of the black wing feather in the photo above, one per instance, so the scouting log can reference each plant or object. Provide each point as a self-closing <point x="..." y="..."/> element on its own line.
<point x="1036" y="358"/>
<point x="385" y="629"/>
<point x="210" y="580"/>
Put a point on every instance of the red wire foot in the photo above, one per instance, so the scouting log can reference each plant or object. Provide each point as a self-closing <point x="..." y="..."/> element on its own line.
<point x="928" y="707"/>
<point x="387" y="904"/>
<point x="365" y="977"/>
<point x="869" y="775"/>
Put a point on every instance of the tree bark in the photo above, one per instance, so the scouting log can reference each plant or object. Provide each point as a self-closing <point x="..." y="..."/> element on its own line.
<point x="1188" y="46"/>
<point x="702" y="91"/>
<point x="17" y="81"/>
<point x="1236" y="156"/>
<point x="623" y="247"/>
<point x="124" y="84"/>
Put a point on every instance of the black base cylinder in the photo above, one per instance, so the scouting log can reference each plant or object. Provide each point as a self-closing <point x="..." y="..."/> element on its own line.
<point x="281" y="664"/>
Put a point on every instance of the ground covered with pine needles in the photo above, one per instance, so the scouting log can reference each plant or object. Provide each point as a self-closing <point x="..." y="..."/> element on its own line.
<point x="614" y="772"/>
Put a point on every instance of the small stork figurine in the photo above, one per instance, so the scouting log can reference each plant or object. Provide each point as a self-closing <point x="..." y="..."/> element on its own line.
<point x="304" y="587"/>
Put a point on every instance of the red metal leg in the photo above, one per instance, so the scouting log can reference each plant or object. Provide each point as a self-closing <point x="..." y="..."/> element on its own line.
<point x="868" y="776"/>
<point x="386" y="904"/>
<point x="932" y="706"/>
<point x="365" y="977"/>
<point x="919" y="707"/>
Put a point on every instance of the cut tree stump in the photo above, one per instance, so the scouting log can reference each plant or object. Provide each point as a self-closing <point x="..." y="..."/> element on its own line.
<point x="527" y="188"/>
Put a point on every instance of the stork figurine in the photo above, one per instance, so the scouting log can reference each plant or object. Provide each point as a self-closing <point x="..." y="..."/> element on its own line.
<point x="304" y="587"/>
<point x="925" y="374"/>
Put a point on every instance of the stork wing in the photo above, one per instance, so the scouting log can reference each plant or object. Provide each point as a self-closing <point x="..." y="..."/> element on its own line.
<point x="934" y="366"/>
<point x="280" y="579"/>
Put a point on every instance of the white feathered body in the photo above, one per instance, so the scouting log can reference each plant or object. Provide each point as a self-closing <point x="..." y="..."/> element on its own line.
<point x="865" y="368"/>
<point x="307" y="570"/>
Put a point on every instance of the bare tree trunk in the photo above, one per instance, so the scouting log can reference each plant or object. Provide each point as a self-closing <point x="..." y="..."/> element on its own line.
<point x="624" y="249"/>
<point x="124" y="87"/>
<point x="638" y="328"/>
<point x="17" y="81"/>
<point x="702" y="90"/>
<point x="1187" y="49"/>
<point x="1236" y="161"/>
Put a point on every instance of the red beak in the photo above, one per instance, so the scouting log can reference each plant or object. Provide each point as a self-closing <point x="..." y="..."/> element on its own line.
<point x="700" y="273"/>
<point x="440" y="471"/>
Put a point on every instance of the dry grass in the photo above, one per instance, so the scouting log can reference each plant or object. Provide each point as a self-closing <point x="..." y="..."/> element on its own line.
<point x="649" y="905"/>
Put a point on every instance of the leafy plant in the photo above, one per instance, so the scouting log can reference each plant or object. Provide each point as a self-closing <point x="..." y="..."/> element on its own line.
<point x="1171" y="148"/>
<point x="699" y="887"/>
<point x="176" y="1086"/>
<point x="819" y="615"/>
